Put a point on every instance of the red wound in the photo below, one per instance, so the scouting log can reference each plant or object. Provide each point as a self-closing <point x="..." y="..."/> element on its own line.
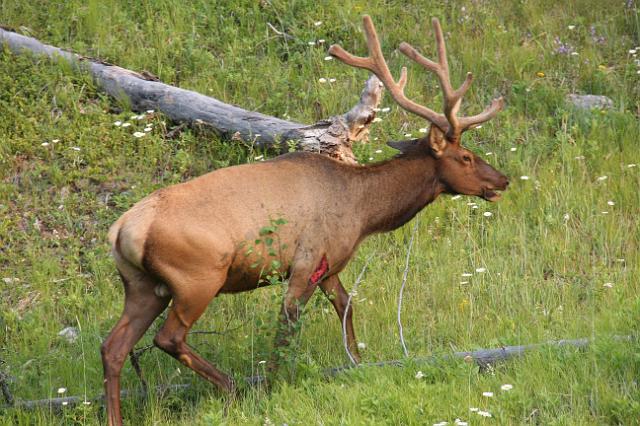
<point x="322" y="269"/>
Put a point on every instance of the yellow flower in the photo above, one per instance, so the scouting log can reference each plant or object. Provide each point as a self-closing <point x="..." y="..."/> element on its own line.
<point x="462" y="306"/>
<point x="540" y="74"/>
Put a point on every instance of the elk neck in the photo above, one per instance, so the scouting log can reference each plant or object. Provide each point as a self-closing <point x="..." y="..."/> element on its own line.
<point x="393" y="192"/>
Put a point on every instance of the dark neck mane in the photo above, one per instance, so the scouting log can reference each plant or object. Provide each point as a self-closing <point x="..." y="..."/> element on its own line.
<point x="394" y="191"/>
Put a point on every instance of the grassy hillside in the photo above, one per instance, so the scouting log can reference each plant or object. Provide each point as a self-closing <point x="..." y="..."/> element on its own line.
<point x="559" y="251"/>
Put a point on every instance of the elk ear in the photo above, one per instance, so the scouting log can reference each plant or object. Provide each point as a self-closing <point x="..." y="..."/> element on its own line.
<point x="403" y="146"/>
<point x="437" y="141"/>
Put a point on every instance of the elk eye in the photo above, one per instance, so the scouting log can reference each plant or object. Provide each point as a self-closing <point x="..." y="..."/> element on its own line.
<point x="466" y="158"/>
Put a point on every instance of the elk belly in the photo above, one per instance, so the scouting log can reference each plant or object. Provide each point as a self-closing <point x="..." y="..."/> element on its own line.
<point x="322" y="269"/>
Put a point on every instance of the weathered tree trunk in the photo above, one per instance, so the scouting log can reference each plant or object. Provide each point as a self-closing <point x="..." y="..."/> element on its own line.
<point x="333" y="136"/>
<point x="483" y="357"/>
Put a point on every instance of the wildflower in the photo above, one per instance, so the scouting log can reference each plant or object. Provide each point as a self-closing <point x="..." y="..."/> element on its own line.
<point x="456" y="197"/>
<point x="118" y="123"/>
<point x="407" y="135"/>
<point x="540" y="74"/>
<point x="464" y="282"/>
<point x="311" y="43"/>
<point x="423" y="130"/>
<point x="632" y="52"/>
<point x="370" y="158"/>
<point x="317" y="23"/>
<point x="262" y="362"/>
<point x="45" y="144"/>
<point x="65" y="402"/>
<point x="377" y="120"/>
<point x="607" y="285"/>
<point x="566" y="216"/>
<point x="506" y="387"/>
<point x="441" y="424"/>
<point x="321" y="41"/>
<point x="419" y="375"/>
<point x="611" y="203"/>
<point x="602" y="178"/>
<point x="481" y="270"/>
<point x="484" y="413"/>
<point x="147" y="129"/>
<point x="86" y="402"/>
<point x="620" y="260"/>
<point x="479" y="126"/>
<point x="138" y="134"/>
<point x="259" y="157"/>
<point x="487" y="214"/>
<point x="632" y="165"/>
<point x="332" y="80"/>
<point x="362" y="345"/>
<point x="579" y="157"/>
<point x="75" y="148"/>
<point x="604" y="212"/>
<point x="466" y="274"/>
<point x="473" y="409"/>
<point x="571" y="27"/>
<point x="597" y="39"/>
<point x="489" y="153"/>
<point x="126" y="124"/>
<point x="61" y="391"/>
<point x="474" y="207"/>
<point x="328" y="58"/>
<point x="322" y="80"/>
<point x="562" y="48"/>
<point x="459" y="422"/>
<point x="524" y="177"/>
<point x="150" y="111"/>
<point x="378" y="151"/>
<point x="513" y="149"/>
<point x="488" y="394"/>
<point x="385" y="109"/>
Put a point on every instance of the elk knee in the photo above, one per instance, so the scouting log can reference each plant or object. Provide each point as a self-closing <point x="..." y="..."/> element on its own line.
<point x="168" y="344"/>
<point x="112" y="360"/>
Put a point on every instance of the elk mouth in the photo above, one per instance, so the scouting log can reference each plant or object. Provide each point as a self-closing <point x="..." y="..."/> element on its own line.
<point x="491" y="195"/>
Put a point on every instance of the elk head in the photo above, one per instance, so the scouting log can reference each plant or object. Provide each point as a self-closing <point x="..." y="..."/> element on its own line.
<point x="459" y="170"/>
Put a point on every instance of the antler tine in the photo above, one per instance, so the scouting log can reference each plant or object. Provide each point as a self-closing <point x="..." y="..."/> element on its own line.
<point x="452" y="98"/>
<point x="376" y="63"/>
<point x="494" y="108"/>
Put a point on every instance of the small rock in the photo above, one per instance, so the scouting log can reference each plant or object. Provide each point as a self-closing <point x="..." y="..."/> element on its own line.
<point x="590" y="101"/>
<point x="70" y="334"/>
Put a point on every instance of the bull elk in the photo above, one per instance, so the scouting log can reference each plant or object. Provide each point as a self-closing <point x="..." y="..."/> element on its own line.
<point x="189" y="242"/>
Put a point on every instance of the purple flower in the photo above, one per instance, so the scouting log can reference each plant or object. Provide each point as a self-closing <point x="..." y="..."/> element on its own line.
<point x="597" y="39"/>
<point x="562" y="48"/>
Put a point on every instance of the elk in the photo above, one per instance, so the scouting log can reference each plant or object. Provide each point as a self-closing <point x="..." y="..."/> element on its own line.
<point x="189" y="242"/>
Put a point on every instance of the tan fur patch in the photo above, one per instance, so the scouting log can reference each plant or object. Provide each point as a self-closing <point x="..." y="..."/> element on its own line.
<point x="186" y="360"/>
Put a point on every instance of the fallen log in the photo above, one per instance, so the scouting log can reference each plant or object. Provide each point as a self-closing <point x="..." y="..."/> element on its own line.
<point x="482" y="357"/>
<point x="333" y="136"/>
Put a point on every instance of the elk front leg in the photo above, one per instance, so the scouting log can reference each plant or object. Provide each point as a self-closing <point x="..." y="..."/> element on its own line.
<point x="335" y="292"/>
<point x="302" y="284"/>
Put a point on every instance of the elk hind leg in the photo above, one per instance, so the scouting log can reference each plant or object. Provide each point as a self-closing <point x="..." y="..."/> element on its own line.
<point x="190" y="300"/>
<point x="141" y="307"/>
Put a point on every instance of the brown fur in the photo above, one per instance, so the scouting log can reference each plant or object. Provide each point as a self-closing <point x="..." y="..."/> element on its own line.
<point x="188" y="242"/>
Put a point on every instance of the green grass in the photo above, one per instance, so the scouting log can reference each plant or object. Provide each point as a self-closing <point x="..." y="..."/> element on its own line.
<point x="547" y="248"/>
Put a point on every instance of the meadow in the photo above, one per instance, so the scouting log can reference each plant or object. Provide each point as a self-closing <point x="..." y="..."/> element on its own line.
<point x="556" y="258"/>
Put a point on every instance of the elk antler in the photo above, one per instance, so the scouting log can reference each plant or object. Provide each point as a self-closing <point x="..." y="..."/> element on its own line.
<point x="449" y="123"/>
